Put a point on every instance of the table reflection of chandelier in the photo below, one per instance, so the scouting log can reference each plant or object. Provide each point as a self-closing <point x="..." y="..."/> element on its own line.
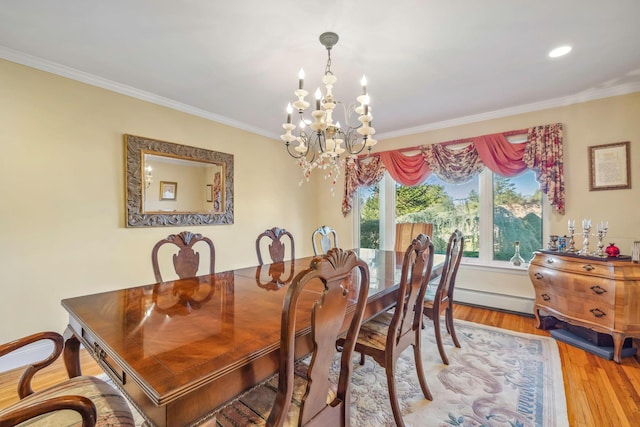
<point x="325" y="143"/>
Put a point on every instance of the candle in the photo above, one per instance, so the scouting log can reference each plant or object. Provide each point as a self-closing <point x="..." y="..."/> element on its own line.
<point x="289" y="111"/>
<point x="318" y="97"/>
<point x="363" y="82"/>
<point x="300" y="78"/>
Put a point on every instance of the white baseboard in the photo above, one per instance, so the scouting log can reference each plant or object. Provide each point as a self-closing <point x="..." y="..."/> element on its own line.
<point x="26" y="355"/>
<point x="494" y="300"/>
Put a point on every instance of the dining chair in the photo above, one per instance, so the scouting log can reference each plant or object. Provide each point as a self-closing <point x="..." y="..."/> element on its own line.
<point x="277" y="247"/>
<point x="83" y="400"/>
<point x="441" y="299"/>
<point x="186" y="261"/>
<point x="388" y="334"/>
<point x="406" y="231"/>
<point x="324" y="238"/>
<point x="302" y="394"/>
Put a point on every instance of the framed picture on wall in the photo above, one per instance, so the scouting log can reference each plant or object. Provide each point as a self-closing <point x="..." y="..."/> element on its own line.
<point x="168" y="190"/>
<point x="609" y="166"/>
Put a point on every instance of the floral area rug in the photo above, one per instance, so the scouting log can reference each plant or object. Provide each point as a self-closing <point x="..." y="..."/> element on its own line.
<point x="497" y="378"/>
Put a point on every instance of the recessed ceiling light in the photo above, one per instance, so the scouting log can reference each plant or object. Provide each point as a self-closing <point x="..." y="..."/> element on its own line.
<point x="559" y="51"/>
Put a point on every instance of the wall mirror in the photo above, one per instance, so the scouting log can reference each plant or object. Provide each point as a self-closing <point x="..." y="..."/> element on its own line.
<point x="170" y="184"/>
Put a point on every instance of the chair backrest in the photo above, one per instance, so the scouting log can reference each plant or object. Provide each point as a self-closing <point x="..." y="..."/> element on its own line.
<point x="186" y="261"/>
<point x="322" y="237"/>
<point x="277" y="247"/>
<point x="416" y="270"/>
<point x="406" y="231"/>
<point x="336" y="271"/>
<point x="452" y="260"/>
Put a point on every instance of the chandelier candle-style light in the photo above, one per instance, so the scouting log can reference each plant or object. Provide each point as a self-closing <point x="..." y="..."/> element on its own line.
<point x="322" y="146"/>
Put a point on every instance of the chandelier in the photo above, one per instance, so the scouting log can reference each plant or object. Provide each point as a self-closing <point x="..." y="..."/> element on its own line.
<point x="321" y="143"/>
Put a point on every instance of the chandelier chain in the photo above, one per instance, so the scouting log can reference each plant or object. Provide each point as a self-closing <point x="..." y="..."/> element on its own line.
<point x="327" y="69"/>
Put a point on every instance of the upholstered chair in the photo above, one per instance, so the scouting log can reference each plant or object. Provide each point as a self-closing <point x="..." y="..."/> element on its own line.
<point x="439" y="296"/>
<point x="302" y="393"/>
<point x="406" y="231"/>
<point x="186" y="261"/>
<point x="323" y="239"/>
<point x="80" y="401"/>
<point x="277" y="248"/>
<point x="388" y="334"/>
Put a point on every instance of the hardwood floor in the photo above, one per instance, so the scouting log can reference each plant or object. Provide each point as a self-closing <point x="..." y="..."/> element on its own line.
<point x="600" y="393"/>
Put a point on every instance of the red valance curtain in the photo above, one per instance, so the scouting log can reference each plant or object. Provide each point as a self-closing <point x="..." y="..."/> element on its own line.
<point x="542" y="152"/>
<point x="407" y="170"/>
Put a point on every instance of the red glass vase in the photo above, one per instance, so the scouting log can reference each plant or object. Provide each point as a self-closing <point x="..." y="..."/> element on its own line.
<point x="612" y="250"/>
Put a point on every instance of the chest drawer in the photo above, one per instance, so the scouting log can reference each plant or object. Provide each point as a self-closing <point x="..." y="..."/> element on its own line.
<point x="575" y="265"/>
<point x="599" y="309"/>
<point x="580" y="286"/>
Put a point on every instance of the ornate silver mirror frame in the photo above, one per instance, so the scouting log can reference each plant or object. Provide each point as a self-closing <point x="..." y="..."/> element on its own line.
<point x="136" y="147"/>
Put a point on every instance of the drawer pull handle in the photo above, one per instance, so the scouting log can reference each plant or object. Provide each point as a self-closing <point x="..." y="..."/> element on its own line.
<point x="545" y="297"/>
<point x="588" y="267"/>
<point x="538" y="276"/>
<point x="597" y="312"/>
<point x="102" y="359"/>
<point x="598" y="290"/>
<point x="550" y="261"/>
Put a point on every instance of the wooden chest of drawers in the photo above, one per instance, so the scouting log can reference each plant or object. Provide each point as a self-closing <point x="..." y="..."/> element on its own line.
<point x="600" y="294"/>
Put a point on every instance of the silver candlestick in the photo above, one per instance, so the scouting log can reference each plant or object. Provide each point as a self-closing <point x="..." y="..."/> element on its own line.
<point x="572" y="229"/>
<point x="601" y="232"/>
<point x="586" y="229"/>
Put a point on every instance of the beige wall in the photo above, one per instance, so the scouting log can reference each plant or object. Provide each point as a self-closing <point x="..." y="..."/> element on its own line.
<point x="62" y="195"/>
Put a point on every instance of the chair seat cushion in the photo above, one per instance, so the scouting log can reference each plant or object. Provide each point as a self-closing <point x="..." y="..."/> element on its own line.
<point x="111" y="407"/>
<point x="373" y="333"/>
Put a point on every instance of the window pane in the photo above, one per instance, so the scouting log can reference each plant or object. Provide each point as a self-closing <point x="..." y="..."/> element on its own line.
<point x="446" y="206"/>
<point x="369" y="199"/>
<point x="517" y="216"/>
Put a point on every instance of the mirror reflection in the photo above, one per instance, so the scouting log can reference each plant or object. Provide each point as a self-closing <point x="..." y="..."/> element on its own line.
<point x="181" y="185"/>
<point x="169" y="185"/>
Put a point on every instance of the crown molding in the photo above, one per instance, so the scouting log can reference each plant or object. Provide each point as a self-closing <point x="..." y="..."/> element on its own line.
<point x="585" y="96"/>
<point x="90" y="79"/>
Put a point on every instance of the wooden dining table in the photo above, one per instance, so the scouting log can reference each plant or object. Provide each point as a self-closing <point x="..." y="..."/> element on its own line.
<point x="181" y="349"/>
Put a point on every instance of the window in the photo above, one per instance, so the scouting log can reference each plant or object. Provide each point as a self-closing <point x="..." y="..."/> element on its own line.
<point x="369" y="205"/>
<point x="446" y="206"/>
<point x="492" y="211"/>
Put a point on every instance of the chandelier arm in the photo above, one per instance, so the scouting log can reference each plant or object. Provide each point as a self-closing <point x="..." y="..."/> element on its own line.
<point x="295" y="155"/>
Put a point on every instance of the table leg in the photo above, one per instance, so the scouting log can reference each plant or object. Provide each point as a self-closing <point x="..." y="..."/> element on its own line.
<point x="71" y="354"/>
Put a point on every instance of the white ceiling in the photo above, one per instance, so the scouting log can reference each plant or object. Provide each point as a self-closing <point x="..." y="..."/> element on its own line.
<point x="429" y="63"/>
